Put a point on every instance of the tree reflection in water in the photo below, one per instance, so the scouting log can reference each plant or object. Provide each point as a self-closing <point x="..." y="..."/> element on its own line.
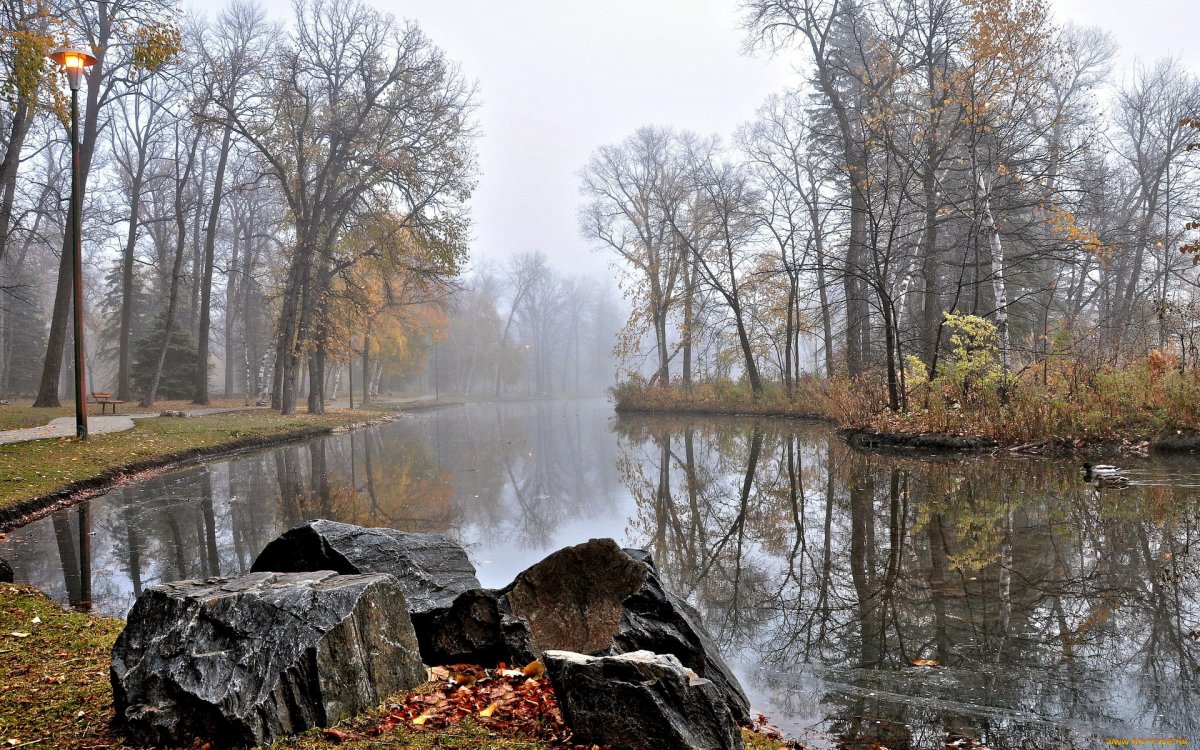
<point x="1054" y="611"/>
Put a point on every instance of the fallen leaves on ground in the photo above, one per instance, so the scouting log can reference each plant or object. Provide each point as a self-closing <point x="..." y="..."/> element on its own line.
<point x="766" y="733"/>
<point x="506" y="701"/>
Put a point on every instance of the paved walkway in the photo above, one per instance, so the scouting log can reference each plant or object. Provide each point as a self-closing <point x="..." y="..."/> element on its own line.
<point x="65" y="427"/>
<point x="98" y="425"/>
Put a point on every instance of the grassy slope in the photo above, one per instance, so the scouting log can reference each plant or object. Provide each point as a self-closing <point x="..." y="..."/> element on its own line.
<point x="37" y="468"/>
<point x="57" y="694"/>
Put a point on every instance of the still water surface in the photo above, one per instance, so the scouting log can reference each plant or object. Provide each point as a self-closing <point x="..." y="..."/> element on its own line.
<point x="1058" y="613"/>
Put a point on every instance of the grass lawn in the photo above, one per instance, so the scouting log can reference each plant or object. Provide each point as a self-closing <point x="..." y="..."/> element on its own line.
<point x="54" y="669"/>
<point x="37" y="468"/>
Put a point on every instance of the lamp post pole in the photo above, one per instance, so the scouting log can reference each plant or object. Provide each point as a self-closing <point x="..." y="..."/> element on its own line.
<point x="75" y="61"/>
<point x="81" y="416"/>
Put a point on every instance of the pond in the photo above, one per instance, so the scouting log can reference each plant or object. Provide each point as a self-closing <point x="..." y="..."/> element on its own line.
<point x="862" y="598"/>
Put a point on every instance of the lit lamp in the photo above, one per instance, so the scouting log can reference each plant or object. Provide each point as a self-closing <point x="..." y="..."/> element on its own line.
<point x="75" y="61"/>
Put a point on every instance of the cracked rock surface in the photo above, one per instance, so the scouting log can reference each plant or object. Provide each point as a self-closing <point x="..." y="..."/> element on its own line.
<point x="640" y="701"/>
<point x="243" y="661"/>
<point x="432" y="569"/>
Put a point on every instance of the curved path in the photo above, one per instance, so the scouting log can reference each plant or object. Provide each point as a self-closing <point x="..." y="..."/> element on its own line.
<point x="65" y="427"/>
<point x="98" y="425"/>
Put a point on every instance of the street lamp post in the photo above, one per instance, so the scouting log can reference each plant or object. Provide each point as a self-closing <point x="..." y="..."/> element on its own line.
<point x="75" y="61"/>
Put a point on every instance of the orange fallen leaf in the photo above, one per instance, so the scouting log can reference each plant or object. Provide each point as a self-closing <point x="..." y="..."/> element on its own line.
<point x="424" y="717"/>
<point x="534" y="670"/>
<point x="926" y="663"/>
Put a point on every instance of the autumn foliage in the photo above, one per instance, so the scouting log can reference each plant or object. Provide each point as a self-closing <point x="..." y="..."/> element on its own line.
<point x="511" y="702"/>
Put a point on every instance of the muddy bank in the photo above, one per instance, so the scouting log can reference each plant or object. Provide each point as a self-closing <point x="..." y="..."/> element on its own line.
<point x="865" y="438"/>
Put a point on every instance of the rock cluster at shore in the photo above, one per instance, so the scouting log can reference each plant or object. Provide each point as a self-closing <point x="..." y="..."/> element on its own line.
<point x="335" y="617"/>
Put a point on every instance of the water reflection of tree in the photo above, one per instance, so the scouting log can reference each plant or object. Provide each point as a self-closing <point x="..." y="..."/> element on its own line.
<point x="515" y="473"/>
<point x="1033" y="592"/>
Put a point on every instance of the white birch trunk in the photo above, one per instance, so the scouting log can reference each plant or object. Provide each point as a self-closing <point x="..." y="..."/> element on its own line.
<point x="337" y="381"/>
<point x="376" y="378"/>
<point x="999" y="289"/>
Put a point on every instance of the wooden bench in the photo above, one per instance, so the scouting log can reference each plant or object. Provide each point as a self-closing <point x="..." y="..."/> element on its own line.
<point x="105" y="400"/>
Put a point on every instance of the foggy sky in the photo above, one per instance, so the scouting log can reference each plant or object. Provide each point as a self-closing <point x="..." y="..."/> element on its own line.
<point x="558" y="78"/>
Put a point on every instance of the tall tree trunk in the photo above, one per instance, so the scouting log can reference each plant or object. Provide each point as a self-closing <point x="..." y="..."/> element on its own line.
<point x="289" y="343"/>
<point x="176" y="273"/>
<point x="231" y="302"/>
<point x="689" y="278"/>
<point x="822" y="292"/>
<point x="858" y="323"/>
<point x="124" y="348"/>
<point x="56" y="342"/>
<point x="999" y="287"/>
<point x="366" y="363"/>
<point x="22" y="117"/>
<point x="318" y="318"/>
<point x="210" y="245"/>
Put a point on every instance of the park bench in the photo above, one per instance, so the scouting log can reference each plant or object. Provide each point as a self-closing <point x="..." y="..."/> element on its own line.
<point x="105" y="400"/>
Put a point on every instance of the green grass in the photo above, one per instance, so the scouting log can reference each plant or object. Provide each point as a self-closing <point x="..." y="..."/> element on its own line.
<point x="21" y="414"/>
<point x="56" y="691"/>
<point x="41" y="467"/>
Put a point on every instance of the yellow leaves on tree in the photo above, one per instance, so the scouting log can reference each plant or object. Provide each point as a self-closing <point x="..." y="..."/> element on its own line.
<point x="1063" y="224"/>
<point x="155" y="45"/>
<point x="393" y="285"/>
<point x="26" y="41"/>
<point x="1009" y="37"/>
<point x="1010" y="49"/>
<point x="1192" y="248"/>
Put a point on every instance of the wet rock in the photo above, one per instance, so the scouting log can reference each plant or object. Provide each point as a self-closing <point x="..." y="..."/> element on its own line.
<point x="640" y="701"/>
<point x="432" y="568"/>
<point x="6" y="571"/>
<point x="243" y="661"/>
<point x="473" y="630"/>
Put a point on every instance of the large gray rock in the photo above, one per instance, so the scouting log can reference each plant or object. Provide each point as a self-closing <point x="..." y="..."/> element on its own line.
<point x="640" y="701"/>
<point x="242" y="661"/>
<point x="592" y="598"/>
<point x="432" y="568"/>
